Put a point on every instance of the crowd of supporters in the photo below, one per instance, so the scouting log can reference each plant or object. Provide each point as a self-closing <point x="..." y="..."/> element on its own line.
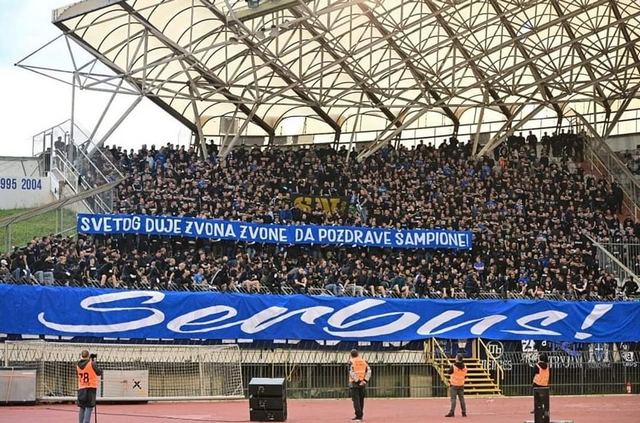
<point x="529" y="213"/>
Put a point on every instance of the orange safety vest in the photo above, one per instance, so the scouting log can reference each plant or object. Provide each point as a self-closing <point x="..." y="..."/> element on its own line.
<point x="458" y="376"/>
<point x="87" y="377"/>
<point x="542" y="377"/>
<point x="359" y="367"/>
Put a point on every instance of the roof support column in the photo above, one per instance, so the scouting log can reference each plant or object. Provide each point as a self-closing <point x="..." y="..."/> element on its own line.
<point x="623" y="107"/>
<point x="225" y="150"/>
<point x="383" y="139"/>
<point x="476" y="141"/>
<point x="505" y="131"/>
<point x="544" y="89"/>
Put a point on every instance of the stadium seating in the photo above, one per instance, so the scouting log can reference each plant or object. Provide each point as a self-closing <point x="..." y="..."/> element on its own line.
<point x="528" y="207"/>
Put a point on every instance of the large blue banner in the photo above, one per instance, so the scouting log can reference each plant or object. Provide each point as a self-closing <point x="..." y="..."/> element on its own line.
<point x="191" y="227"/>
<point x="196" y="315"/>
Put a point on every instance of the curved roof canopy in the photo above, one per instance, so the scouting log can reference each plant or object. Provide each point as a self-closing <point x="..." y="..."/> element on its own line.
<point x="389" y="61"/>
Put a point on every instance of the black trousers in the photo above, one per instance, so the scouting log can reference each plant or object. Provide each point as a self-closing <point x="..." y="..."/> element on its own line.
<point x="457" y="392"/>
<point x="357" y="396"/>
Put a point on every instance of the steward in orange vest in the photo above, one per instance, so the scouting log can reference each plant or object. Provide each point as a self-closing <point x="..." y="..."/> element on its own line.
<point x="542" y="374"/>
<point x="359" y="375"/>
<point x="88" y="374"/>
<point x="458" y="373"/>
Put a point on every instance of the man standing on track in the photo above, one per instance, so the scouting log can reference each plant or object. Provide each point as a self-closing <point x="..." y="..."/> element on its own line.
<point x="88" y="374"/>
<point x="458" y="374"/>
<point x="541" y="374"/>
<point x="359" y="374"/>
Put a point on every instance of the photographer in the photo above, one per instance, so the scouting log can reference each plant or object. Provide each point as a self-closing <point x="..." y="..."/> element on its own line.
<point x="88" y="374"/>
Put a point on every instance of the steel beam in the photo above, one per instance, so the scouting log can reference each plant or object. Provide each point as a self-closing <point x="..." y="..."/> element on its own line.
<point x="286" y="75"/>
<point x="375" y="100"/>
<point x="188" y="58"/>
<point x="578" y="48"/>
<point x="507" y="129"/>
<point x="544" y="89"/>
<point x="480" y="75"/>
<point x="124" y="75"/>
<point x="421" y="78"/>
<point x="623" y="108"/>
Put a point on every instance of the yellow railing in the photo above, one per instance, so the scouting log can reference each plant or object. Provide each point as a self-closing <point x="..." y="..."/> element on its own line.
<point x="436" y="356"/>
<point x="492" y="359"/>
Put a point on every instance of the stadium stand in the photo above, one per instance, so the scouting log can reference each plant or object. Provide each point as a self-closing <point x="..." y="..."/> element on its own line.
<point x="631" y="158"/>
<point x="528" y="211"/>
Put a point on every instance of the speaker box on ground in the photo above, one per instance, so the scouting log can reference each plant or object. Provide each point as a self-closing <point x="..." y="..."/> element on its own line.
<point x="267" y="400"/>
<point x="265" y="387"/>
<point x="268" y="415"/>
<point x="267" y="403"/>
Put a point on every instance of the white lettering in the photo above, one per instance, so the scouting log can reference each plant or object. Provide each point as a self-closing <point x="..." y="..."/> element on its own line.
<point x="269" y="317"/>
<point x="229" y="232"/>
<point x="599" y="310"/>
<point x="478" y="328"/>
<point x="190" y="319"/>
<point x="309" y="235"/>
<point x="340" y="317"/>
<point x="546" y="318"/>
<point x="84" y="224"/>
<point x="89" y="304"/>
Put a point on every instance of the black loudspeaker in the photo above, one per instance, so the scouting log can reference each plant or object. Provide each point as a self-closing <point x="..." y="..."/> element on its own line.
<point x="275" y="403"/>
<point x="267" y="415"/>
<point x="267" y="400"/>
<point x="541" y="405"/>
<point x="265" y="387"/>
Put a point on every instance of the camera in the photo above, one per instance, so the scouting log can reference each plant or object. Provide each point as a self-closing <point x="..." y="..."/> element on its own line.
<point x="93" y="356"/>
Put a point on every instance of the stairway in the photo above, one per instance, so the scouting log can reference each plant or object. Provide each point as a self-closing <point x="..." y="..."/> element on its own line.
<point x="478" y="382"/>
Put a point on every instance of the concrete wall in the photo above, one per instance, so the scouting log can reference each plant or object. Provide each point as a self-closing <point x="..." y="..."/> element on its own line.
<point x="20" y="166"/>
<point x="21" y="192"/>
<point x="624" y="142"/>
<point x="23" y="183"/>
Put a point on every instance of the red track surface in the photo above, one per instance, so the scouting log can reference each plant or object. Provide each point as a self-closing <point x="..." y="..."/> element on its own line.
<point x="615" y="409"/>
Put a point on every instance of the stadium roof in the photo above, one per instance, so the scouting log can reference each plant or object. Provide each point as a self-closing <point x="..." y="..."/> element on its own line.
<point x="390" y="62"/>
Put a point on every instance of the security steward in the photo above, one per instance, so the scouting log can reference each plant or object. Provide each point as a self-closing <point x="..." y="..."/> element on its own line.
<point x="88" y="374"/>
<point x="359" y="375"/>
<point x="458" y="374"/>
<point x="541" y="374"/>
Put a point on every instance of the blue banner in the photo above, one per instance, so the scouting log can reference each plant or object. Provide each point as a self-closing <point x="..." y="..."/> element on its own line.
<point x="191" y="227"/>
<point x="38" y="310"/>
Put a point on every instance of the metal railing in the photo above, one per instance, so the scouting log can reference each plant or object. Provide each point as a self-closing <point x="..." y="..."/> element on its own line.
<point x="324" y="374"/>
<point x="581" y="373"/>
<point x="72" y="174"/>
<point x="490" y="363"/>
<point x="45" y="140"/>
<point x="438" y="358"/>
<point x="627" y="253"/>
<point x="53" y="218"/>
<point x="615" y="263"/>
<point x="285" y="290"/>
<point x="609" y="165"/>
<point x="72" y="179"/>
<point x="598" y="369"/>
<point x="576" y="369"/>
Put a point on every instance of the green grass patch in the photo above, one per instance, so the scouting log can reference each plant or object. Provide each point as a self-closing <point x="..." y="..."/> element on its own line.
<point x="48" y="223"/>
